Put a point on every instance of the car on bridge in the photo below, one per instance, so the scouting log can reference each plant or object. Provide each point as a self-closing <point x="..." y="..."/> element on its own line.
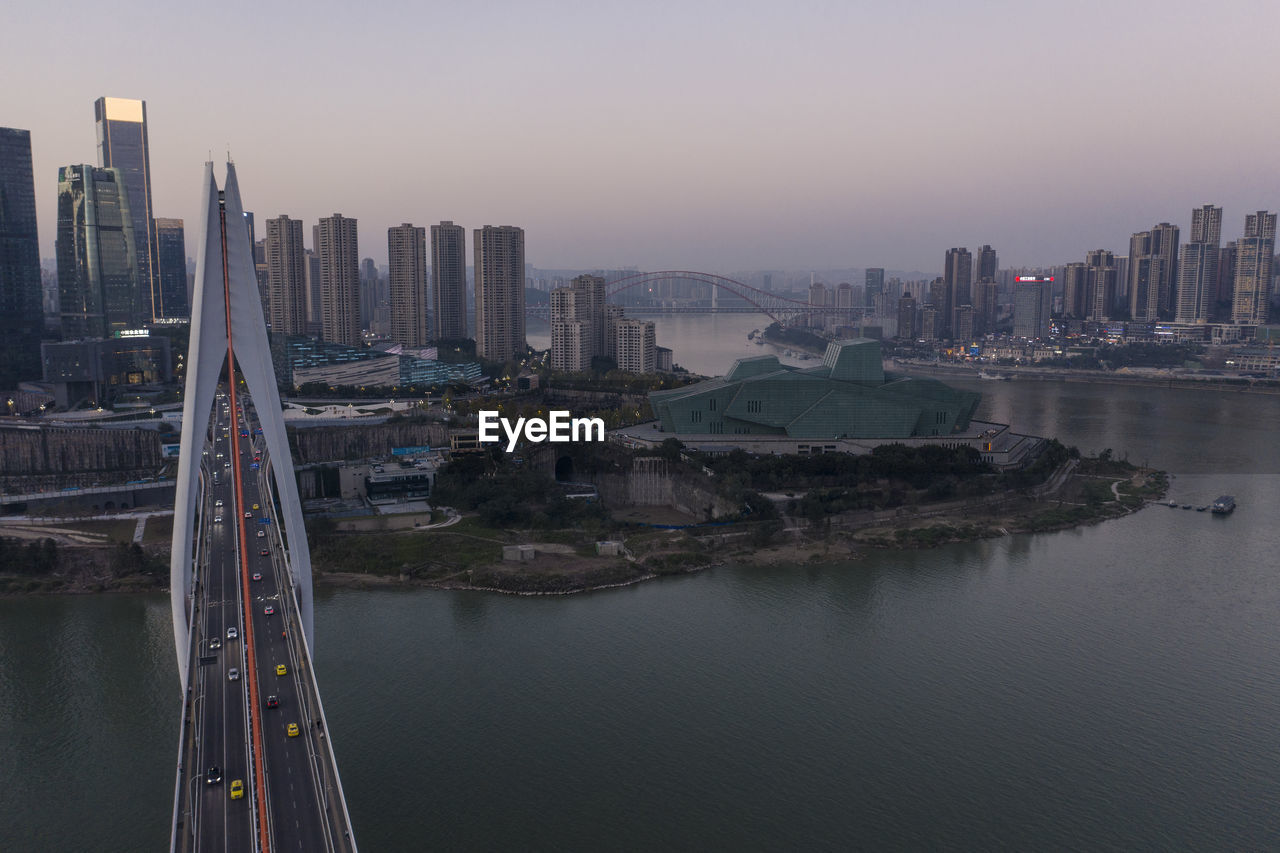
<point x="268" y="610"/>
<point x="257" y="576"/>
<point x="237" y="789"/>
<point x="248" y="514"/>
<point x="264" y="553"/>
<point x="232" y="633"/>
<point x="215" y="643"/>
<point x="255" y="506"/>
<point x="217" y="519"/>
<point x="273" y="702"/>
<point x="281" y="669"/>
<point x="214" y="776"/>
<point x="261" y="534"/>
<point x="292" y="731"/>
<point x="233" y="674"/>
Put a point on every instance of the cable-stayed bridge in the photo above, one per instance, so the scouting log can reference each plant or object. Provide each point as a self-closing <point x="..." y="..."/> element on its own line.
<point x="256" y="769"/>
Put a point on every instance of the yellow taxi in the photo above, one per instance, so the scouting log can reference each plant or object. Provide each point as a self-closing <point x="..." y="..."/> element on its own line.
<point x="237" y="789"/>
<point x="292" y="730"/>
<point x="255" y="506"/>
<point x="281" y="669"/>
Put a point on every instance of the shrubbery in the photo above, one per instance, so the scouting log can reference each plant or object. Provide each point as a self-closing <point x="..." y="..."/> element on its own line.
<point x="508" y="495"/>
<point x="29" y="558"/>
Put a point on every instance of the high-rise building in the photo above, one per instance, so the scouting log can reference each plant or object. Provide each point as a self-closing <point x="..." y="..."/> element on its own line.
<point x="1226" y="282"/>
<point x="1100" y="266"/>
<point x="958" y="275"/>
<point x="572" y="338"/>
<point x="907" y="325"/>
<point x="315" y="293"/>
<point x="1255" y="259"/>
<point x="286" y="276"/>
<point x="1146" y="269"/>
<point x="98" y="284"/>
<point x="1075" y="289"/>
<point x="499" y="266"/>
<point x="938" y="299"/>
<point x="612" y="317"/>
<point x="874" y="285"/>
<point x="368" y="292"/>
<point x="1197" y="275"/>
<point x="1198" y="267"/>
<point x="636" y="345"/>
<point x="262" y="275"/>
<point x="339" y="251"/>
<point x="21" y="317"/>
<point x="817" y="299"/>
<point x="985" y="263"/>
<point x="407" y="254"/>
<point x="844" y="301"/>
<point x="570" y="350"/>
<point x="929" y="323"/>
<point x="964" y="323"/>
<point x="449" y="281"/>
<point x="1031" y="309"/>
<point x="122" y="144"/>
<point x="1164" y="245"/>
<point x="986" y="311"/>
<point x="1153" y="265"/>
<point x="1206" y="224"/>
<point x="578" y="326"/>
<point x="171" y="269"/>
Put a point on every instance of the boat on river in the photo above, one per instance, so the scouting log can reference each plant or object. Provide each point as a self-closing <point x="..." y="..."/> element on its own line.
<point x="1224" y="505"/>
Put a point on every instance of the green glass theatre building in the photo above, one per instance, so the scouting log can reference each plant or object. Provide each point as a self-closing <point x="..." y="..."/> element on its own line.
<point x="848" y="397"/>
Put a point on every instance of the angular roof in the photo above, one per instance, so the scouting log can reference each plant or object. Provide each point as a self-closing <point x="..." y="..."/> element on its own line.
<point x="848" y="396"/>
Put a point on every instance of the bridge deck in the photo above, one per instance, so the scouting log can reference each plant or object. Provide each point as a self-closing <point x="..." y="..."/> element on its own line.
<point x="302" y="798"/>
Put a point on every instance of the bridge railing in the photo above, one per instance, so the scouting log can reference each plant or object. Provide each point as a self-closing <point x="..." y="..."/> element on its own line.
<point x="186" y="728"/>
<point x="323" y="769"/>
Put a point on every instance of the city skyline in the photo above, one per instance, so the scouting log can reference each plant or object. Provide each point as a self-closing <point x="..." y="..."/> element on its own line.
<point x="755" y="140"/>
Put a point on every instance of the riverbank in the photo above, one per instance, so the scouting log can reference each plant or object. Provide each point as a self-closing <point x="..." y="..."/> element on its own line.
<point x="1240" y="385"/>
<point x="468" y="555"/>
<point x="1094" y="493"/>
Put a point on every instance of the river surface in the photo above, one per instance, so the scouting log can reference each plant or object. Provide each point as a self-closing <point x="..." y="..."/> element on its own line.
<point x="1110" y="687"/>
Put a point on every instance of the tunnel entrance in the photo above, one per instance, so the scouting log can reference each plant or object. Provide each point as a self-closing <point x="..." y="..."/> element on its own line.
<point x="564" y="469"/>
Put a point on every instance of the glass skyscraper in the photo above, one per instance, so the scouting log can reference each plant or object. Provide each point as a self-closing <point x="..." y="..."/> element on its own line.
<point x="98" y="277"/>
<point x="171" y="256"/>
<point x="21" y="317"/>
<point x="122" y="144"/>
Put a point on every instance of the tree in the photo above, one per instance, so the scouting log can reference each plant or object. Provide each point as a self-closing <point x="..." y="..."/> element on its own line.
<point x="670" y="449"/>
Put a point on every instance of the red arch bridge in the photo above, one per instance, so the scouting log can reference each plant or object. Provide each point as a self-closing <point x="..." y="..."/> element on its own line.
<point x="782" y="309"/>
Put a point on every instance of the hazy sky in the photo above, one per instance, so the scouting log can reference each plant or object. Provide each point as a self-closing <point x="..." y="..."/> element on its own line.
<point x="700" y="135"/>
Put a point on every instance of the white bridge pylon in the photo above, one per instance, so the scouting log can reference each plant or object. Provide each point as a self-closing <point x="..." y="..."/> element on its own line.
<point x="206" y="355"/>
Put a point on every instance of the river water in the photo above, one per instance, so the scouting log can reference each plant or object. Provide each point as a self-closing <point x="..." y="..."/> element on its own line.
<point x="1111" y="687"/>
